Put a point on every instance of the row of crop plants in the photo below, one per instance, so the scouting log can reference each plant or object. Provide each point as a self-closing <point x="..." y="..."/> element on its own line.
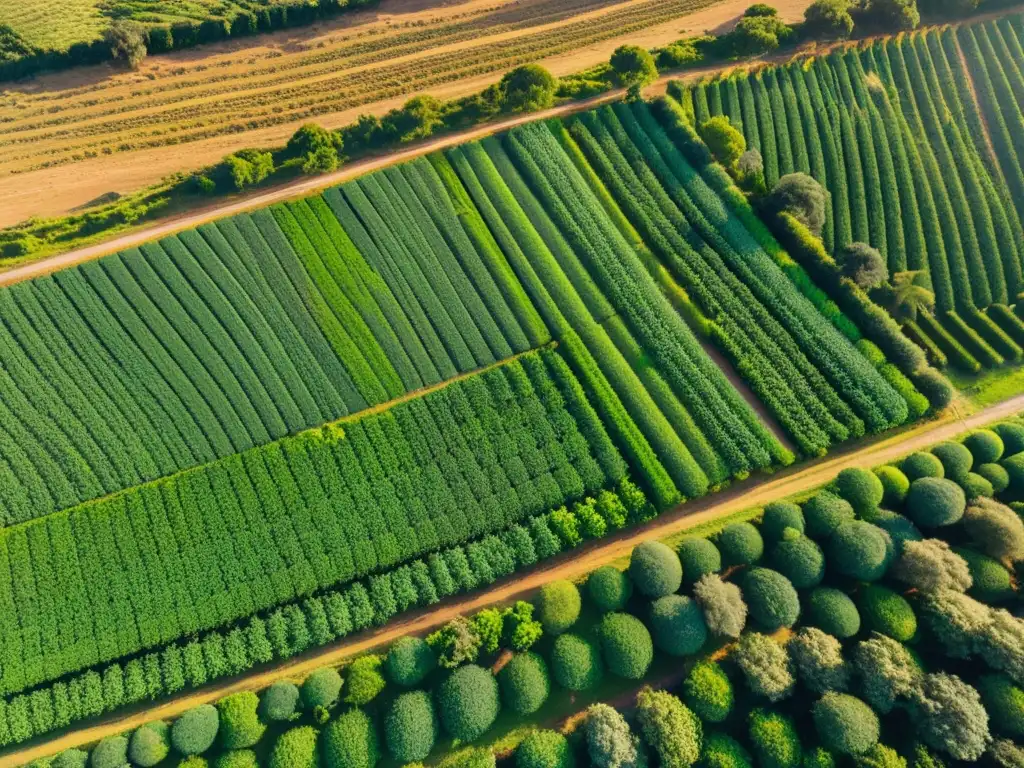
<point x="894" y="132"/>
<point x="864" y="625"/>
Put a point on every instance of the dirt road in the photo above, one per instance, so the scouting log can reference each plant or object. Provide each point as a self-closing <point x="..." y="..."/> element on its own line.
<point x="756" y="491"/>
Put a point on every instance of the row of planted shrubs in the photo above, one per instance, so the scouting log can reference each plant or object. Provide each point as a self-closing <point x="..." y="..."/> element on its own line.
<point x="891" y="623"/>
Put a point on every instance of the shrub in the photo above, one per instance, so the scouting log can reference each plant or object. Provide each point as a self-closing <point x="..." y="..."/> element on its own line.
<point x="898" y="527"/>
<point x="771" y="599"/>
<point x="655" y="569"/>
<point x="408" y="661"/>
<point x="544" y="749"/>
<point x="828" y="19"/>
<point x="1012" y="435"/>
<point x="633" y="66"/>
<point x="799" y="559"/>
<point x="818" y="757"/>
<point x="240" y="725"/>
<point x="71" y="758"/>
<point x="725" y="613"/>
<point x="778" y="516"/>
<point x="886" y="671"/>
<point x="930" y="565"/>
<point x="832" y="611"/>
<point x="1004" y="703"/>
<point x="296" y="748"/>
<point x="410" y="726"/>
<point x="520" y="629"/>
<point x="698" y="557"/>
<point x="802" y="197"/>
<point x="609" y="589"/>
<point x="920" y="465"/>
<point x="455" y="643"/>
<point x="708" y="691"/>
<point x="858" y="550"/>
<point x="755" y="35"/>
<point x="996" y="529"/>
<point x="576" y="663"/>
<point x="111" y="752"/>
<point x="880" y="756"/>
<point x="364" y="680"/>
<point x="895" y="485"/>
<point x="558" y="606"/>
<point x="725" y="142"/>
<point x="1005" y="754"/>
<point x="279" y="701"/>
<point x="818" y="658"/>
<point x="955" y="620"/>
<point x="610" y="742"/>
<point x="625" y="645"/>
<point x="194" y="732"/>
<point x="149" y="744"/>
<point x="985" y="445"/>
<point x="765" y="665"/>
<point x="677" y="625"/>
<point x="860" y="487"/>
<point x="1014" y="467"/>
<point x="671" y="730"/>
<point x="468" y="702"/>
<point x="350" y="741"/>
<point x="1001" y="644"/>
<point x="774" y="739"/>
<point x="956" y="459"/>
<point x="934" y="501"/>
<point x="990" y="582"/>
<point x="824" y="512"/>
<point x="237" y="758"/>
<point x="740" y="544"/>
<point x="524" y="683"/>
<point x="528" y="88"/>
<point x="845" y="724"/>
<point x="722" y="751"/>
<point x="887" y="612"/>
<point x="949" y="716"/>
<point x="996" y="475"/>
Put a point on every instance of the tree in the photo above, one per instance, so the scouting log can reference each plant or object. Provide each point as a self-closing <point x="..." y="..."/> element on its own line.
<point x="995" y="528"/>
<point x="633" y="65"/>
<point x="761" y="9"/>
<point x="626" y="645"/>
<point x="323" y="160"/>
<point x="756" y="35"/>
<point x="859" y="550"/>
<point x="774" y="739"/>
<point x="802" y="197"/>
<point x="708" y="691"/>
<point x="348" y="741"/>
<point x="558" y="606"/>
<point x="725" y="613"/>
<point x="907" y="294"/>
<point x="678" y="625"/>
<point x="194" y="732"/>
<point x="1005" y="754"/>
<point x="365" y="680"/>
<point x="609" y="589"/>
<point x="468" y="702"/>
<point x="321" y="689"/>
<point x="892" y="15"/>
<point x="240" y="725"/>
<point x="409" y="661"/>
<point x="931" y="565"/>
<point x="862" y="264"/>
<point x="310" y="138"/>
<point x="886" y="671"/>
<point x="819" y="662"/>
<point x="766" y="666"/>
<point x="417" y="119"/>
<point x="524" y="683"/>
<point x="669" y="727"/>
<point x="845" y="724"/>
<point x="521" y="630"/>
<point x="828" y="19"/>
<point x="279" y="702"/>
<point x="365" y="133"/>
<point x="950" y="717"/>
<point x="127" y="40"/>
<point x="410" y="727"/>
<point x="1001" y="644"/>
<point x="248" y="167"/>
<point x="725" y="142"/>
<point x="455" y="643"/>
<point x="655" y="569"/>
<point x="544" y="749"/>
<point x="610" y="743"/>
<point x="149" y="744"/>
<point x="771" y="598"/>
<point x="750" y="172"/>
<point x="528" y="88"/>
<point x="576" y="663"/>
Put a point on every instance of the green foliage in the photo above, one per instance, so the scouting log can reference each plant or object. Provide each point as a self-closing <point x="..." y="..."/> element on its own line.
<point x="488" y="625"/>
<point x="350" y="741"/>
<point x="364" y="681"/>
<point x="321" y="688"/>
<point x="995" y="529"/>
<point x="933" y="502"/>
<point x="845" y="724"/>
<point x="755" y="35"/>
<point x="610" y="742"/>
<point x="544" y="749"/>
<point x="669" y="728"/>
<point x="723" y="751"/>
<point x="771" y="599"/>
<point x="524" y="683"/>
<point x="740" y="544"/>
<point x="778" y="516"/>
<point x="409" y="660"/>
<point x="950" y="717"/>
<point x="920" y="465"/>
<point x="818" y="659"/>
<point x="991" y="582"/>
<point x="828" y="19"/>
<point x="886" y="672"/>
<point x="824" y="512"/>
<point x="279" y="702"/>
<point x="774" y="739"/>
<point x="931" y="565"/>
<point x="985" y="445"/>
<point x="698" y="556"/>
<point x="410" y="727"/>
<point x="996" y="475"/>
<point x="887" y="612"/>
<point x="1012" y="435"/>
<point x="521" y="630"/>
<point x="111" y="752"/>
<point x="799" y="559"/>
<point x="237" y="758"/>
<point x="248" y="168"/>
<point x="677" y="625"/>
<point x="725" y="142"/>
<point x="707" y="690"/>
<point x="468" y="702"/>
<point x="626" y="645"/>
<point x="558" y="606"/>
<point x="833" y="612"/>
<point x="609" y="589"/>
<point x="818" y="757"/>
<point x="655" y="569"/>
<point x="1004" y="703"/>
<point x="895" y="485"/>
<point x="149" y="744"/>
<point x="455" y="643"/>
<point x="633" y="65"/>
<point x="803" y="198"/>
<point x="71" y="758"/>
<point x="881" y="756"/>
<point x="527" y="88"/>
<point x="417" y="119"/>
<point x="892" y="15"/>
<point x="195" y="731"/>
<point x="240" y="725"/>
<point x="576" y="663"/>
<point x="725" y="612"/>
<point x="766" y="666"/>
<point x="956" y="459"/>
<point x="861" y="487"/>
<point x="858" y="549"/>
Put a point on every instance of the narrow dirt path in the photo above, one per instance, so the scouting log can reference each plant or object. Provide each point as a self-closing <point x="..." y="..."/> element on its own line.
<point x="756" y="491"/>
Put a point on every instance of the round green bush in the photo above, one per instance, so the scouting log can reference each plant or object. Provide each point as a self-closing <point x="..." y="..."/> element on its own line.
<point x="858" y="550"/>
<point x="1012" y="435"/>
<point x="845" y="724"/>
<point x="194" y="732"/>
<point x="296" y="748"/>
<point x="240" y="725"/>
<point x="824" y="512"/>
<point x="111" y="752"/>
<point x="921" y="464"/>
<point x="1014" y="466"/>
<point x="544" y="749"/>
<point x="975" y="485"/>
<point x="576" y="663"/>
<point x="468" y="702"/>
<point x="677" y="624"/>
<point x="899" y="528"/>
<point x="819" y="757"/>
<point x="410" y="727"/>
<point x="150" y="744"/>
<point x="722" y="751"/>
<point x="778" y="516"/>
<point x="349" y="741"/>
<point x="707" y="690"/>
<point x="558" y="606"/>
<point x="833" y="612"/>
<point x="609" y="589"/>
<point x="740" y="544"/>
<point x="321" y="688"/>
<point x="1004" y="703"/>
<point x="956" y="459"/>
<point x="698" y="557"/>
<point x="861" y="487"/>
<point x="655" y="569"/>
<point x="996" y="475"/>
<point x="799" y="559"/>
<point x="771" y="599"/>
<point x="985" y="446"/>
<point x="935" y="501"/>
<point x="193" y="761"/>
<point x="990" y="581"/>
<point x="279" y="702"/>
<point x="626" y="645"/>
<point x="524" y="683"/>
<point x="71" y="758"/>
<point x="887" y="612"/>
<point x="895" y="485"/>
<point x="237" y="758"/>
<point x="408" y="661"/>
<point x="774" y="739"/>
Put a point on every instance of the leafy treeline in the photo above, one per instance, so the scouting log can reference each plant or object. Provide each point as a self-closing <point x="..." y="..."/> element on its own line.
<point x="218" y="543"/>
<point x="219" y="339"/>
<point x="915" y="164"/>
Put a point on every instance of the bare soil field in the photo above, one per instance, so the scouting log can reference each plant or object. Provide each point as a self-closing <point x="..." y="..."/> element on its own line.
<point x="67" y="139"/>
